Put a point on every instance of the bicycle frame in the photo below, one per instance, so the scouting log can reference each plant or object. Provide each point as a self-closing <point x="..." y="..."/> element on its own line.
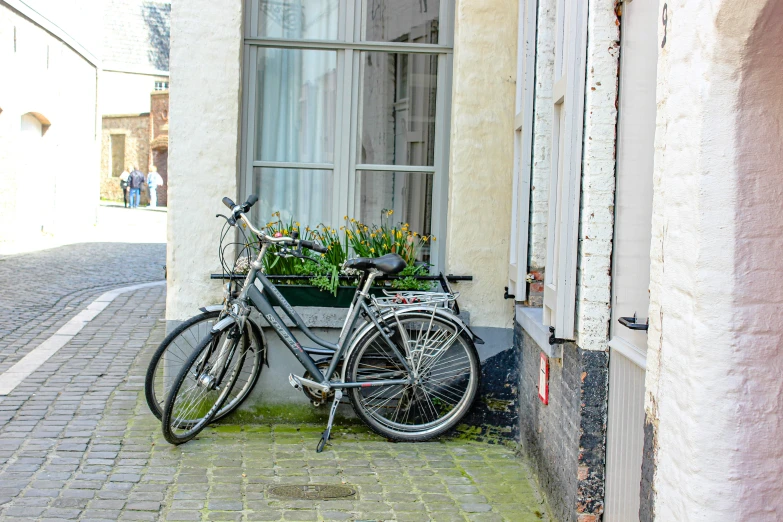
<point x="252" y="294"/>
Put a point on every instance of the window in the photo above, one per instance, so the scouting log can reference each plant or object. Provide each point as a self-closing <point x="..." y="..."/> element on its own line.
<point x="523" y="144"/>
<point x="117" y="154"/>
<point x="161" y="86"/>
<point x="564" y="187"/>
<point x="345" y="111"/>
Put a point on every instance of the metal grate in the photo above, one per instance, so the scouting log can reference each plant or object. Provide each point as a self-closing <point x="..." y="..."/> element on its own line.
<point x="311" y="491"/>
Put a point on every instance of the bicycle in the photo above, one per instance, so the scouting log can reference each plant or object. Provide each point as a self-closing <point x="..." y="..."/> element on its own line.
<point x="410" y="369"/>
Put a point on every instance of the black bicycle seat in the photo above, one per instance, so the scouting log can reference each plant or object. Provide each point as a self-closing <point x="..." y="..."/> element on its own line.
<point x="389" y="264"/>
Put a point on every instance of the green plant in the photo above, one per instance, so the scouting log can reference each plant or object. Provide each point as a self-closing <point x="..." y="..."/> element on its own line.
<point x="363" y="240"/>
<point x="386" y="238"/>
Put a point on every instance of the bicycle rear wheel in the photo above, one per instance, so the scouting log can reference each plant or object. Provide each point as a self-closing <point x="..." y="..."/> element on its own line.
<point x="174" y="351"/>
<point x="446" y="375"/>
<point x="203" y="385"/>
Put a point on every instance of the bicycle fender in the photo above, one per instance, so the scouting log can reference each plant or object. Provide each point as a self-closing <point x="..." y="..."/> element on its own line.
<point x="212" y="308"/>
<point x="442" y="313"/>
<point x="448" y="315"/>
<point x="223" y="323"/>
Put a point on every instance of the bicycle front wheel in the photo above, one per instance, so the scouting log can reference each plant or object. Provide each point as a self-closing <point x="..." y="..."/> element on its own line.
<point x="445" y="374"/>
<point x="203" y="385"/>
<point x="173" y="353"/>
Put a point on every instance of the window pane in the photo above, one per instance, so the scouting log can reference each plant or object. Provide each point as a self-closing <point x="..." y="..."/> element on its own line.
<point x="296" y="104"/>
<point x="296" y="19"/>
<point x="402" y="21"/>
<point x="302" y="195"/>
<point x="398" y="109"/>
<point x="408" y="194"/>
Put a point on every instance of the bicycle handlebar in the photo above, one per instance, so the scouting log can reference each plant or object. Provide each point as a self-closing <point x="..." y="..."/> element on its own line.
<point x="239" y="211"/>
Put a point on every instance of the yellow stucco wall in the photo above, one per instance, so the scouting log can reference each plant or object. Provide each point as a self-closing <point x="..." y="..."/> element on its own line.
<point x="481" y="157"/>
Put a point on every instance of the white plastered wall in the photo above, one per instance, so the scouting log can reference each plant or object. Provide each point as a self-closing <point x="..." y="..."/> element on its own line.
<point x="481" y="155"/>
<point x="714" y="388"/>
<point x="206" y="57"/>
<point x="127" y="93"/>
<point x="57" y="172"/>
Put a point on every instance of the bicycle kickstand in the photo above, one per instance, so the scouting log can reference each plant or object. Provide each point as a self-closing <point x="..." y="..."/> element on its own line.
<point x="338" y="394"/>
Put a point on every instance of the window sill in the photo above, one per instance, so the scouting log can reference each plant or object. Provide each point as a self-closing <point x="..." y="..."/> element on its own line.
<point x="531" y="319"/>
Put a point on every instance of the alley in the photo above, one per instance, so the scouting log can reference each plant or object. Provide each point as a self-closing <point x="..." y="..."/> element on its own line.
<point x="77" y="440"/>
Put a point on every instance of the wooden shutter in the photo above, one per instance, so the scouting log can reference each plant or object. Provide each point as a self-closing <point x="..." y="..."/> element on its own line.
<point x="564" y="188"/>
<point x="523" y="144"/>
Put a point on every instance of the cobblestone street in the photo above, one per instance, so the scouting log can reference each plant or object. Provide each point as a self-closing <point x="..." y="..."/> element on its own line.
<point x="77" y="440"/>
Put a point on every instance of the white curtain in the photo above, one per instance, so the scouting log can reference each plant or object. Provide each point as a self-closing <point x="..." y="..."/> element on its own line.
<point x="296" y="110"/>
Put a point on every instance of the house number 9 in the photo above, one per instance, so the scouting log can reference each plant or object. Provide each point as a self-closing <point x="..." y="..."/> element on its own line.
<point x="664" y="20"/>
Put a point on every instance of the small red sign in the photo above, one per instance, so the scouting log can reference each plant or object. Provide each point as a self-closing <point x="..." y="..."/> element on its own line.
<point x="543" y="379"/>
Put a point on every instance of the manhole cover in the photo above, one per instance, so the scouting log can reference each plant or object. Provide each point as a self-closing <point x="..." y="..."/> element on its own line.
<point x="312" y="491"/>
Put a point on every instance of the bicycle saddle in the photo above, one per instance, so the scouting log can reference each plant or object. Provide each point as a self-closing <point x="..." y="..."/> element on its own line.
<point x="389" y="264"/>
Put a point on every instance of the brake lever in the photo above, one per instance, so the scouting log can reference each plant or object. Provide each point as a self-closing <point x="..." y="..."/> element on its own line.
<point x="231" y="221"/>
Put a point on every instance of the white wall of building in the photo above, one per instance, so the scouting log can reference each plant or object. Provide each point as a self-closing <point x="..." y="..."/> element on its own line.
<point x="481" y="156"/>
<point x="714" y="391"/>
<point x="49" y="174"/>
<point x="203" y="145"/>
<point x="126" y="93"/>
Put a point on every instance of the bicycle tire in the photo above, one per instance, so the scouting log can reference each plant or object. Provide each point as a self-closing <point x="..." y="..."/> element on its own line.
<point x="441" y="382"/>
<point x="183" y="407"/>
<point x="178" y="345"/>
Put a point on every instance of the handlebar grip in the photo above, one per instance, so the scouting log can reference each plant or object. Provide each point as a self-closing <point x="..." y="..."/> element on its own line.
<point x="227" y="202"/>
<point x="314" y="246"/>
<point x="252" y="200"/>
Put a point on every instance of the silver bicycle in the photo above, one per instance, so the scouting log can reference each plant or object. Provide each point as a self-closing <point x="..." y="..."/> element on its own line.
<point x="407" y="363"/>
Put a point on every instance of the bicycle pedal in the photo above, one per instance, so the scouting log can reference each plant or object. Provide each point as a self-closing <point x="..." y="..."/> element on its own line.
<point x="300" y="383"/>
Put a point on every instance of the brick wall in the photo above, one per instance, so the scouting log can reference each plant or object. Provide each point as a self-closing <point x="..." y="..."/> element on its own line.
<point x="135" y="128"/>
<point x="565" y="438"/>
<point x="159" y="133"/>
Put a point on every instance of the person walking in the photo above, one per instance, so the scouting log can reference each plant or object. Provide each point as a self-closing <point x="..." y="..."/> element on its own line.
<point x="135" y="182"/>
<point x="153" y="182"/>
<point x="124" y="183"/>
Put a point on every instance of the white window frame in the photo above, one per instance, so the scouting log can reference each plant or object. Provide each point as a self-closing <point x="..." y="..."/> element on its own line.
<point x="523" y="148"/>
<point x="565" y="182"/>
<point x="349" y="46"/>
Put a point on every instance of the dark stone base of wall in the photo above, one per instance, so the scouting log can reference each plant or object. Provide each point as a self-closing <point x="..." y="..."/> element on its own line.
<point x="647" y="500"/>
<point x="566" y="439"/>
<point x="495" y="413"/>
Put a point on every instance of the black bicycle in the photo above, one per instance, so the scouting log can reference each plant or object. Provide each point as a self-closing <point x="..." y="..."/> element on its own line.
<point x="407" y="363"/>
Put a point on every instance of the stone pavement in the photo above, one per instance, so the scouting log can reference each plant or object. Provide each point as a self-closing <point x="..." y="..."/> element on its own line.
<point x="77" y="442"/>
<point x="42" y="290"/>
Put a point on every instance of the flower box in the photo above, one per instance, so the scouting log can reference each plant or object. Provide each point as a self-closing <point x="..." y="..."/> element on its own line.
<point x="309" y="295"/>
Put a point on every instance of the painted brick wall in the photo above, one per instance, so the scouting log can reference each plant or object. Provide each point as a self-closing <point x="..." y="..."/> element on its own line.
<point x="542" y="136"/>
<point x="593" y="292"/>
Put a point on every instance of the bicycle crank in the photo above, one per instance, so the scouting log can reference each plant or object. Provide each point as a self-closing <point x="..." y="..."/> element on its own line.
<point x="319" y="398"/>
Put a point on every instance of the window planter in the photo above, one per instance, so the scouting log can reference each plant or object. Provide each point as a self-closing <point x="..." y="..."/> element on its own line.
<point x="309" y="295"/>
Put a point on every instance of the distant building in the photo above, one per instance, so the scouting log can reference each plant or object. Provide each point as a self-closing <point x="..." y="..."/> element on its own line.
<point x="134" y="92"/>
<point x="140" y="140"/>
<point x="65" y="65"/>
<point x="135" y="57"/>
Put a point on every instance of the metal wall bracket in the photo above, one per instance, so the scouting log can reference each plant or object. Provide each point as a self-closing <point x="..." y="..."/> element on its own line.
<point x="631" y="323"/>
<point x="554" y="340"/>
<point x="506" y="295"/>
